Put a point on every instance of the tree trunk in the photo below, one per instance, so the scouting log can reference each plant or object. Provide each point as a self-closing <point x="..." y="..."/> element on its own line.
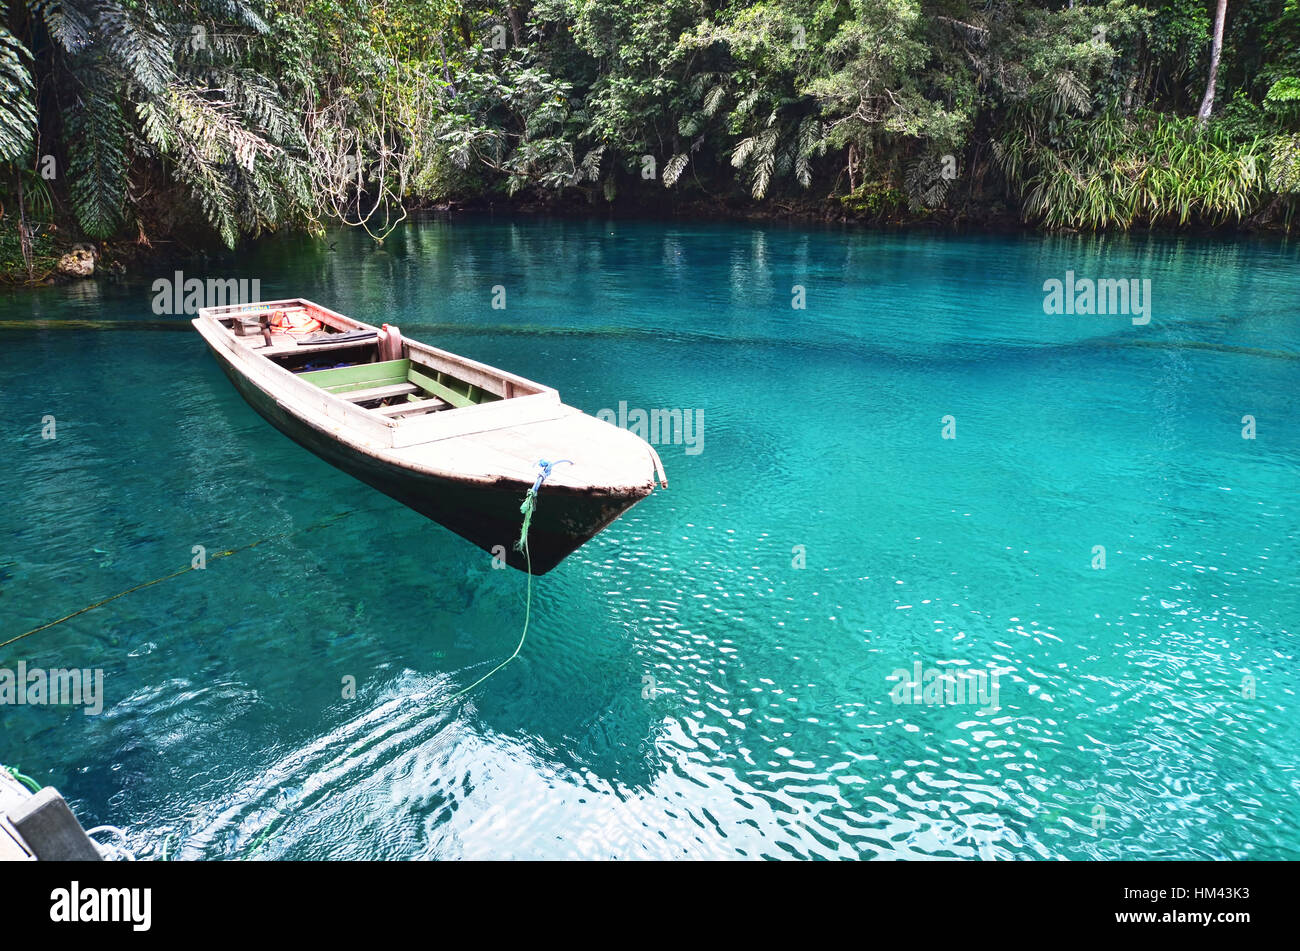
<point x="1216" y="48"/>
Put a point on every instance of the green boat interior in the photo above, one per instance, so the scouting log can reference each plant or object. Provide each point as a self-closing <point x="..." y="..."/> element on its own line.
<point x="350" y="367"/>
<point x="398" y="388"/>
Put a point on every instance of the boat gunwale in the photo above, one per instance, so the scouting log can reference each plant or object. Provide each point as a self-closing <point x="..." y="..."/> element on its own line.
<point x="495" y="374"/>
<point x="517" y="409"/>
<point x="372" y="434"/>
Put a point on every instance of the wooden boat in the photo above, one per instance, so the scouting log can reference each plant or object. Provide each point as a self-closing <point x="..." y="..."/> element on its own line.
<point x="456" y="440"/>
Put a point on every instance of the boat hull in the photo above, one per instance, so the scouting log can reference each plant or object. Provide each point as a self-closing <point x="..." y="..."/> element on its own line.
<point x="488" y="515"/>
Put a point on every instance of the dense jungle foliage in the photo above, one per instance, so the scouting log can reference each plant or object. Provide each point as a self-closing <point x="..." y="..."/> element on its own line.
<point x="221" y="119"/>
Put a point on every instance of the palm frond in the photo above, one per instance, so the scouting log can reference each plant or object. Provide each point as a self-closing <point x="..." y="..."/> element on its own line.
<point x="97" y="170"/>
<point x="17" y="113"/>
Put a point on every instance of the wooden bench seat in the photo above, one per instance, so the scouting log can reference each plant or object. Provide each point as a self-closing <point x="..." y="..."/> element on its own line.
<point x="379" y="392"/>
<point x="410" y="408"/>
<point x="361" y="376"/>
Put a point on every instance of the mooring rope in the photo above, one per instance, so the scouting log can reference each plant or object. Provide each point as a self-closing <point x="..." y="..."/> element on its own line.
<point x="530" y="502"/>
<point x="108" y="851"/>
<point x="27" y="781"/>
<point x="175" y="574"/>
<point x="527" y="508"/>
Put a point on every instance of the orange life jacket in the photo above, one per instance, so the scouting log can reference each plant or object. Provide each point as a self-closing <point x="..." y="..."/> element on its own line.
<point x="301" y="323"/>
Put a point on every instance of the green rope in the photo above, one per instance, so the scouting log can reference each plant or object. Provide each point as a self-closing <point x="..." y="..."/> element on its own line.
<point x="180" y="571"/>
<point x="267" y="833"/>
<point x="530" y="503"/>
<point x="225" y="553"/>
<point x="27" y="781"/>
<point x="262" y="839"/>
<point x="528" y="611"/>
<point x="527" y="508"/>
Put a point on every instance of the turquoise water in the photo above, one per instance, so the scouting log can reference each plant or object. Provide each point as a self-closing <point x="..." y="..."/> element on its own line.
<point x="687" y="689"/>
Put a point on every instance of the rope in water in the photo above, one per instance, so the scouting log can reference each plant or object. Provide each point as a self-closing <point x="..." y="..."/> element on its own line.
<point x="175" y="574"/>
<point x="527" y="508"/>
<point x="107" y="850"/>
<point x="31" y="783"/>
<point x="27" y="781"/>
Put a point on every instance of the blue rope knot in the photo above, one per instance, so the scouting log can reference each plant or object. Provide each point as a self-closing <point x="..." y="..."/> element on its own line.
<point x="545" y="474"/>
<point x="530" y="500"/>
